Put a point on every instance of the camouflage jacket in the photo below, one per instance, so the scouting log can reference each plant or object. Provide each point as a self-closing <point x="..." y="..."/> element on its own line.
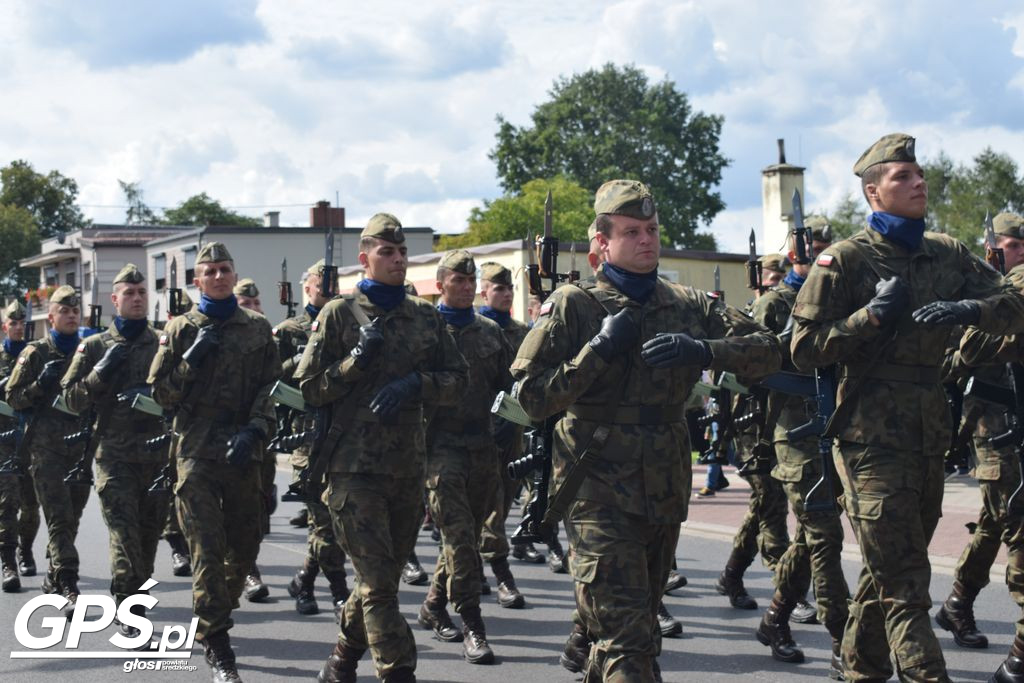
<point x="24" y="394"/>
<point x="416" y="339"/>
<point x="515" y="333"/>
<point x="644" y="466"/>
<point x="900" y="403"/>
<point x="7" y="362"/>
<point x="290" y="334"/>
<point x="120" y="431"/>
<point x="229" y="390"/>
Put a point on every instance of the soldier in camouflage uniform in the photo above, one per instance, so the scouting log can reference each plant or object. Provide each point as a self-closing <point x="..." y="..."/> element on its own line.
<point x="107" y="370"/>
<point x="374" y="378"/>
<point x="34" y="383"/>
<point x="620" y="354"/>
<point x="215" y="368"/>
<point x="878" y="305"/>
<point x="322" y="550"/>
<point x="462" y="467"/>
<point x="17" y="495"/>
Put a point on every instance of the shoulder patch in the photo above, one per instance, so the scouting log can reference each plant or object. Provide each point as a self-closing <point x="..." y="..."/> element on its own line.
<point x="315" y="326"/>
<point x="22" y="360"/>
<point x="712" y="295"/>
<point x="163" y="340"/>
<point x="825" y="260"/>
<point x="546" y="307"/>
<point x="273" y="331"/>
<point x="81" y="347"/>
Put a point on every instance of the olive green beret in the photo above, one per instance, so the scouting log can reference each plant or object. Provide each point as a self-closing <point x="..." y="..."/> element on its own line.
<point x="1009" y="224"/>
<point x="626" y="198"/>
<point x="14" y="311"/>
<point x="246" y="287"/>
<point x="773" y="262"/>
<point x="496" y="273"/>
<point x="459" y="260"/>
<point x="891" y="147"/>
<point x="130" y="274"/>
<point x="592" y="230"/>
<point x="65" y="296"/>
<point x="821" y="229"/>
<point x="385" y="227"/>
<point x="212" y="252"/>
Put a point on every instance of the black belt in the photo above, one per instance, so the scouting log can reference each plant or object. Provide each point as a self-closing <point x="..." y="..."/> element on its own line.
<point x="897" y="372"/>
<point x="457" y="425"/>
<point x="630" y="415"/>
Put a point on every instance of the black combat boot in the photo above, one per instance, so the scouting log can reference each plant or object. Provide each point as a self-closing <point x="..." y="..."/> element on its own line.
<point x="525" y="552"/>
<point x="667" y="624"/>
<point x="730" y="583"/>
<point x="340" y="667"/>
<point x="11" y="582"/>
<point x="301" y="587"/>
<point x="339" y="591"/>
<point x="221" y="658"/>
<point x="957" y="616"/>
<point x="675" y="580"/>
<point x="181" y="565"/>
<point x="774" y="632"/>
<point x="301" y="518"/>
<point x="255" y="590"/>
<point x="26" y="561"/>
<point x="67" y="583"/>
<point x="474" y="637"/>
<point x="804" y="613"/>
<point x="402" y="674"/>
<point x="835" y="669"/>
<point x="1012" y="668"/>
<point x="508" y="594"/>
<point x="556" y="558"/>
<point x="485" y="588"/>
<point x="412" y="572"/>
<point x="50" y="585"/>
<point x="576" y="651"/>
<point x="434" y="616"/>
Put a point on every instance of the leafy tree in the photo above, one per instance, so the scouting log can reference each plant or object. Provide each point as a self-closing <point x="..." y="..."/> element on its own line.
<point x="201" y="209"/>
<point x="138" y="213"/>
<point x="49" y="198"/>
<point x="611" y="123"/>
<point x="847" y="218"/>
<point x="19" y="238"/>
<point x="516" y="216"/>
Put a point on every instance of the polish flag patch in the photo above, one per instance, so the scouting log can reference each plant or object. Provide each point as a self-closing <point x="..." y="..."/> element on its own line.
<point x="22" y="360"/>
<point x="163" y="340"/>
<point x="546" y="307"/>
<point x="316" y="326"/>
<point x="713" y="295"/>
<point x="825" y="260"/>
<point x="81" y="347"/>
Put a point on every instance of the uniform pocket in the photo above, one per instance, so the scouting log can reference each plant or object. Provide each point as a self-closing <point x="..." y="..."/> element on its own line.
<point x="788" y="472"/>
<point x="987" y="472"/>
<point x="583" y="567"/>
<point x="864" y="506"/>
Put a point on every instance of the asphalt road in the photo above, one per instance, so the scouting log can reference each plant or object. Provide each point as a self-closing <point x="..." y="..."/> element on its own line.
<point x="273" y="642"/>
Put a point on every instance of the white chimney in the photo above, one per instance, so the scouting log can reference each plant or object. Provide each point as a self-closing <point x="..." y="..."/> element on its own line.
<point x="272" y="219"/>
<point x="777" y="184"/>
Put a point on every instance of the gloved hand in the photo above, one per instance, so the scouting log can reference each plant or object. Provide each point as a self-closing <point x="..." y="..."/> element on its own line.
<point x="111" y="361"/>
<point x="618" y="333"/>
<point x="891" y="298"/>
<point x="206" y="341"/>
<point x="391" y="396"/>
<point x="242" y="445"/>
<point x="128" y="395"/>
<point x="370" y="343"/>
<point x="50" y="375"/>
<point x="966" y="312"/>
<point x="675" y="349"/>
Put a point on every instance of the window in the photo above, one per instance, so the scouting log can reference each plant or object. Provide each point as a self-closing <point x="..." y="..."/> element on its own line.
<point x="190" y="264"/>
<point x="69" y="278"/>
<point x="87" y="276"/>
<point x="50" y="274"/>
<point x="160" y="271"/>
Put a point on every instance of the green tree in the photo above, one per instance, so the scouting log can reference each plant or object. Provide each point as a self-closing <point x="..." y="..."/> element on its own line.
<point x="514" y="217"/>
<point x="19" y="238"/>
<point x="611" y="123"/>
<point x="138" y="213"/>
<point x="201" y="209"/>
<point x="49" y="198"/>
<point x="847" y="218"/>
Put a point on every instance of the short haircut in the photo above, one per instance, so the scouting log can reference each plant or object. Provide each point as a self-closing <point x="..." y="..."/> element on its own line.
<point x="368" y="243"/>
<point x="872" y="175"/>
<point x="442" y="273"/>
<point x="604" y="224"/>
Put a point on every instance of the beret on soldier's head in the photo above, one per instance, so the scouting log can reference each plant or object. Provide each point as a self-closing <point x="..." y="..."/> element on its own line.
<point x="459" y="260"/>
<point x="246" y="287"/>
<point x="592" y="230"/>
<point x="212" y="252"/>
<point x="315" y="268"/>
<point x="14" y="311"/>
<point x="1008" y="224"/>
<point x="891" y="147"/>
<point x="64" y="296"/>
<point x="773" y="262"/>
<point x="496" y="273"/>
<point x="625" y="198"/>
<point x="130" y="274"/>
<point x="385" y="227"/>
<point x="821" y="229"/>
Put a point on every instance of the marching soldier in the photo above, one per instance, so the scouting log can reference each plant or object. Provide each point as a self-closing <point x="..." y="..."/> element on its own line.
<point x="248" y="295"/>
<point x="773" y="269"/>
<point x="620" y="355"/>
<point x="106" y="372"/>
<point x="877" y="305"/>
<point x="216" y="367"/>
<point x="374" y="359"/>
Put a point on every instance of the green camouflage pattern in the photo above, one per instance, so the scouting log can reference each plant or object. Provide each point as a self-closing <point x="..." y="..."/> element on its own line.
<point x="763" y="529"/>
<point x="290" y="334"/>
<point x="19" y="509"/>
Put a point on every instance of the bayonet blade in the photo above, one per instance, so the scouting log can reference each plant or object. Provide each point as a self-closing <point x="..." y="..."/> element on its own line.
<point x="547" y="215"/>
<point x="572" y="257"/>
<point x="798" y="211"/>
<point x="174" y="273"/>
<point x="284" y="270"/>
<point x="753" y="246"/>
<point x="718" y="279"/>
<point x="990" y="233"/>
<point x="329" y="247"/>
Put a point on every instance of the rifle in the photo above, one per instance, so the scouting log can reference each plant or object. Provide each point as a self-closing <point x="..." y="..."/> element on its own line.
<point x="329" y="271"/>
<point x="1012" y="401"/>
<point x="81" y="473"/>
<point x="175" y="295"/>
<point x="290" y="399"/>
<point x="96" y="317"/>
<point x="163" y="483"/>
<point x="11" y="465"/>
<point x="719" y="417"/>
<point x="755" y="269"/>
<point x="803" y="237"/>
<point x="958" y="454"/>
<point x="284" y="291"/>
<point x="993" y="254"/>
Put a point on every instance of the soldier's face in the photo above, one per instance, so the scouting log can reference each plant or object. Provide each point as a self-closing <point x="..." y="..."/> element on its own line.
<point x="457" y="289"/>
<point x="901" y="191"/>
<point x="64" y="319"/>
<point x="1013" y="250"/>
<point x="769" y="278"/>
<point x="498" y="297"/>
<point x="14" y="329"/>
<point x="312" y="289"/>
<point x="251" y="302"/>
<point x="634" y="244"/>
<point x="131" y="301"/>
<point x="216" y="280"/>
<point x="386" y="262"/>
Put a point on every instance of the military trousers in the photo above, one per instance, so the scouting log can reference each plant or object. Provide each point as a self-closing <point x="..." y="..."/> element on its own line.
<point x="998" y="473"/>
<point x="321" y="543"/>
<point x="219" y="509"/>
<point x="619" y="564"/>
<point x="10" y="505"/>
<point x="894" y="501"/>
<point x="494" y="537"/>
<point x="461" y="483"/>
<point x="763" y="529"/>
<point x="268" y="470"/>
<point x="62" y="504"/>
<point x="376" y="520"/>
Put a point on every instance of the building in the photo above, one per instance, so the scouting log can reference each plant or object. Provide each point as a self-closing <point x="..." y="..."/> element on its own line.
<point x="778" y="182"/>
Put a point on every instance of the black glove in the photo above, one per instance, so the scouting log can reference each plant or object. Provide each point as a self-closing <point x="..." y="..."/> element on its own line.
<point x="891" y="298"/>
<point x="242" y="445"/>
<point x="966" y="312"/>
<point x="394" y="393"/>
<point x="371" y="341"/>
<point x="128" y="395"/>
<point x="111" y="360"/>
<point x="206" y="341"/>
<point x="618" y="333"/>
<point x="51" y="374"/>
<point x="676" y="349"/>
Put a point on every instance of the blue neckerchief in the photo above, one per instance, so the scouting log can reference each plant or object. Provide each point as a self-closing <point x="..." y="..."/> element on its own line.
<point x="67" y="343"/>
<point x="312" y="311"/>
<point x="794" y="280"/>
<point x="637" y="286"/>
<point x="458" y="317"/>
<point x="382" y="295"/>
<point x="906" y="232"/>
<point x="221" y="309"/>
<point x="503" y="318"/>
<point x="14" y="348"/>
<point x="129" y="329"/>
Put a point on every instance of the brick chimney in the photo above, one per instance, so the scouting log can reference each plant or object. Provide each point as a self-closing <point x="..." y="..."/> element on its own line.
<point x="323" y="215"/>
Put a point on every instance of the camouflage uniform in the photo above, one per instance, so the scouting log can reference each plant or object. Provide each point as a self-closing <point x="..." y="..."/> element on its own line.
<point x="218" y="504"/>
<point x="376" y="470"/>
<point x="889" y="442"/>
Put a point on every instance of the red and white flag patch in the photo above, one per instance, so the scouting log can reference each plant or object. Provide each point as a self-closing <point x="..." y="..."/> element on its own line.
<point x="22" y="360"/>
<point x="316" y="326"/>
<point x="163" y="340"/>
<point x="81" y="347"/>
<point x="825" y="260"/>
<point x="546" y="307"/>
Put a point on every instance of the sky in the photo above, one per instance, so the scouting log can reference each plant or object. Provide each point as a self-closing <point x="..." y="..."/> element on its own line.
<point x="390" y="106"/>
